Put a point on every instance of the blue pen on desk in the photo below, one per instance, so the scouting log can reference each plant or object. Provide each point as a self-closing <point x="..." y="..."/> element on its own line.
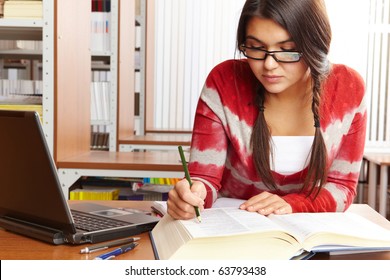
<point x="103" y="246"/>
<point x="121" y="250"/>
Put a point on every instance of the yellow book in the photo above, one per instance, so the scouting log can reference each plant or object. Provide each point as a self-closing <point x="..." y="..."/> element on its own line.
<point x="23" y="107"/>
<point x="94" y="194"/>
<point x="23" y="9"/>
<point x="230" y="233"/>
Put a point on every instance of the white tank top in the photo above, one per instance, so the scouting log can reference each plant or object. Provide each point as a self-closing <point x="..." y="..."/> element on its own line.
<point x="290" y="153"/>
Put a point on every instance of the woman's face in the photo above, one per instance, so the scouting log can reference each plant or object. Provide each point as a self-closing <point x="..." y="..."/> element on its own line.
<point x="276" y="77"/>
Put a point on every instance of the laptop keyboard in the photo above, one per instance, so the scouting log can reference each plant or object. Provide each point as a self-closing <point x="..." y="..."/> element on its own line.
<point x="87" y="222"/>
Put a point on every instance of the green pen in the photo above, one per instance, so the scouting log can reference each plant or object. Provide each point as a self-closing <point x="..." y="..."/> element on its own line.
<point x="187" y="174"/>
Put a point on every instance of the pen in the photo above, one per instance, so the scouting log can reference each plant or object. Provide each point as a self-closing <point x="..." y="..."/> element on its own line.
<point x="103" y="246"/>
<point x="121" y="250"/>
<point x="187" y="174"/>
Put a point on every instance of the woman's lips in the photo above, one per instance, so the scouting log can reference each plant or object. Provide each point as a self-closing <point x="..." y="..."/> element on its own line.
<point x="272" y="78"/>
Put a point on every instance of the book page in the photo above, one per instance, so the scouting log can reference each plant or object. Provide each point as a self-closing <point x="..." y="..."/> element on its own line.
<point x="160" y="207"/>
<point x="229" y="221"/>
<point x="222" y="202"/>
<point x="302" y="225"/>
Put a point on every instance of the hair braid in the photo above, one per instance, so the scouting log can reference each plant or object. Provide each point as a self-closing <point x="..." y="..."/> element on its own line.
<point x="316" y="174"/>
<point x="260" y="141"/>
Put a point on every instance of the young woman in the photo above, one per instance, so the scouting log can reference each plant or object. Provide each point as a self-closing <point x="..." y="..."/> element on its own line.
<point x="283" y="128"/>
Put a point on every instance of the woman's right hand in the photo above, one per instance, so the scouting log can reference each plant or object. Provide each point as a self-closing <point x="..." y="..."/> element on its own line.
<point x="182" y="199"/>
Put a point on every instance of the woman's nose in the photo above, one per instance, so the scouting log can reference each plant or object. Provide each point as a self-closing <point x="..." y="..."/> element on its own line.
<point x="270" y="62"/>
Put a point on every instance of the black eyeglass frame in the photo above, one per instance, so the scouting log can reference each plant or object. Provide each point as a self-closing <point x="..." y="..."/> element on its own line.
<point x="271" y="53"/>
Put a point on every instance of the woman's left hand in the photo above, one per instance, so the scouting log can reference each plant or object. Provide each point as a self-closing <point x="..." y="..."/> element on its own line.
<point x="267" y="203"/>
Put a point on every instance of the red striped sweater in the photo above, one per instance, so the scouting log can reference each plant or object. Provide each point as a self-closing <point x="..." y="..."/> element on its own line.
<point x="221" y="156"/>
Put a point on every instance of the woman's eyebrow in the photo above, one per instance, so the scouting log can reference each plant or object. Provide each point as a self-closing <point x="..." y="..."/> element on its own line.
<point x="289" y="40"/>
<point x="253" y="38"/>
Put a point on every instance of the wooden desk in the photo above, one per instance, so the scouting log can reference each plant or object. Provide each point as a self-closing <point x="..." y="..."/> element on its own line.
<point x="383" y="160"/>
<point x="16" y="247"/>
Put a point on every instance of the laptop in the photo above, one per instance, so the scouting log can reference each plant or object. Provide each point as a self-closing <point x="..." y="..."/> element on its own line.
<point x="31" y="199"/>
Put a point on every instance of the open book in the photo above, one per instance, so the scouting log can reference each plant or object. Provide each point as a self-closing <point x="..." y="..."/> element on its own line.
<point x="230" y="233"/>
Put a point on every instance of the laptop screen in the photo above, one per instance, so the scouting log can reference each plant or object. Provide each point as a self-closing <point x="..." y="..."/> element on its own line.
<point x="29" y="186"/>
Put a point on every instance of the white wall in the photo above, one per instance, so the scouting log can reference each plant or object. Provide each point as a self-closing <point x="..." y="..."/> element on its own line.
<point x="192" y="36"/>
<point x="349" y="20"/>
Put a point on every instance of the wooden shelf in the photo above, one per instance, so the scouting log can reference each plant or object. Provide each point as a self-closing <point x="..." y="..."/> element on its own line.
<point x="157" y="139"/>
<point x="153" y="161"/>
<point x="22" y="54"/>
<point x="21" y="29"/>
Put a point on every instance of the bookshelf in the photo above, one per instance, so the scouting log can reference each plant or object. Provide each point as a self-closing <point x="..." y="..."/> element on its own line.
<point x="102" y="86"/>
<point x="120" y="62"/>
<point x="66" y="66"/>
<point x="73" y="156"/>
<point x="33" y="29"/>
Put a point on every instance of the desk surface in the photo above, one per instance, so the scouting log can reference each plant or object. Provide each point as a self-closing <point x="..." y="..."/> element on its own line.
<point x="16" y="247"/>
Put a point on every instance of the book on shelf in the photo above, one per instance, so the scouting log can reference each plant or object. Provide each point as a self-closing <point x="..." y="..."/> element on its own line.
<point x="231" y="233"/>
<point x="23" y="9"/>
<point x="143" y="196"/>
<point x="101" y="5"/>
<point x="24" y="107"/>
<point x="1" y="8"/>
<point x="100" y="102"/>
<point x="161" y="184"/>
<point x="108" y="181"/>
<point x="21" y="91"/>
<point x="21" y="45"/>
<point x="99" y="138"/>
<point x="145" y="190"/>
<point x="98" y="193"/>
<point x="100" y="25"/>
<point x="129" y="188"/>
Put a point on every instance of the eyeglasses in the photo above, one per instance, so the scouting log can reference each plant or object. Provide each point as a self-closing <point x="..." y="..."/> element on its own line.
<point x="279" y="56"/>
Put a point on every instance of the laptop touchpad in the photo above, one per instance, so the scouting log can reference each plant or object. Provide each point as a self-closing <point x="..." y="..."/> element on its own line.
<point x="110" y="213"/>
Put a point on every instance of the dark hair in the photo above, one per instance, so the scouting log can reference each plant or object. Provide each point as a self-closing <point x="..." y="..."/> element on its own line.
<point x="307" y="23"/>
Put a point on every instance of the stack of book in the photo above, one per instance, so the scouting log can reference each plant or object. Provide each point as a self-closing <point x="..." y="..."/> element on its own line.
<point x="23" y="9"/>
<point x="151" y="189"/>
<point x="100" y="138"/>
<point x="158" y="182"/>
<point x="18" y="93"/>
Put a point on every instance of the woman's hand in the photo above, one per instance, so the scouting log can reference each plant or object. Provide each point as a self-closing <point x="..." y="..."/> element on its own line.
<point x="267" y="203"/>
<point x="182" y="199"/>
